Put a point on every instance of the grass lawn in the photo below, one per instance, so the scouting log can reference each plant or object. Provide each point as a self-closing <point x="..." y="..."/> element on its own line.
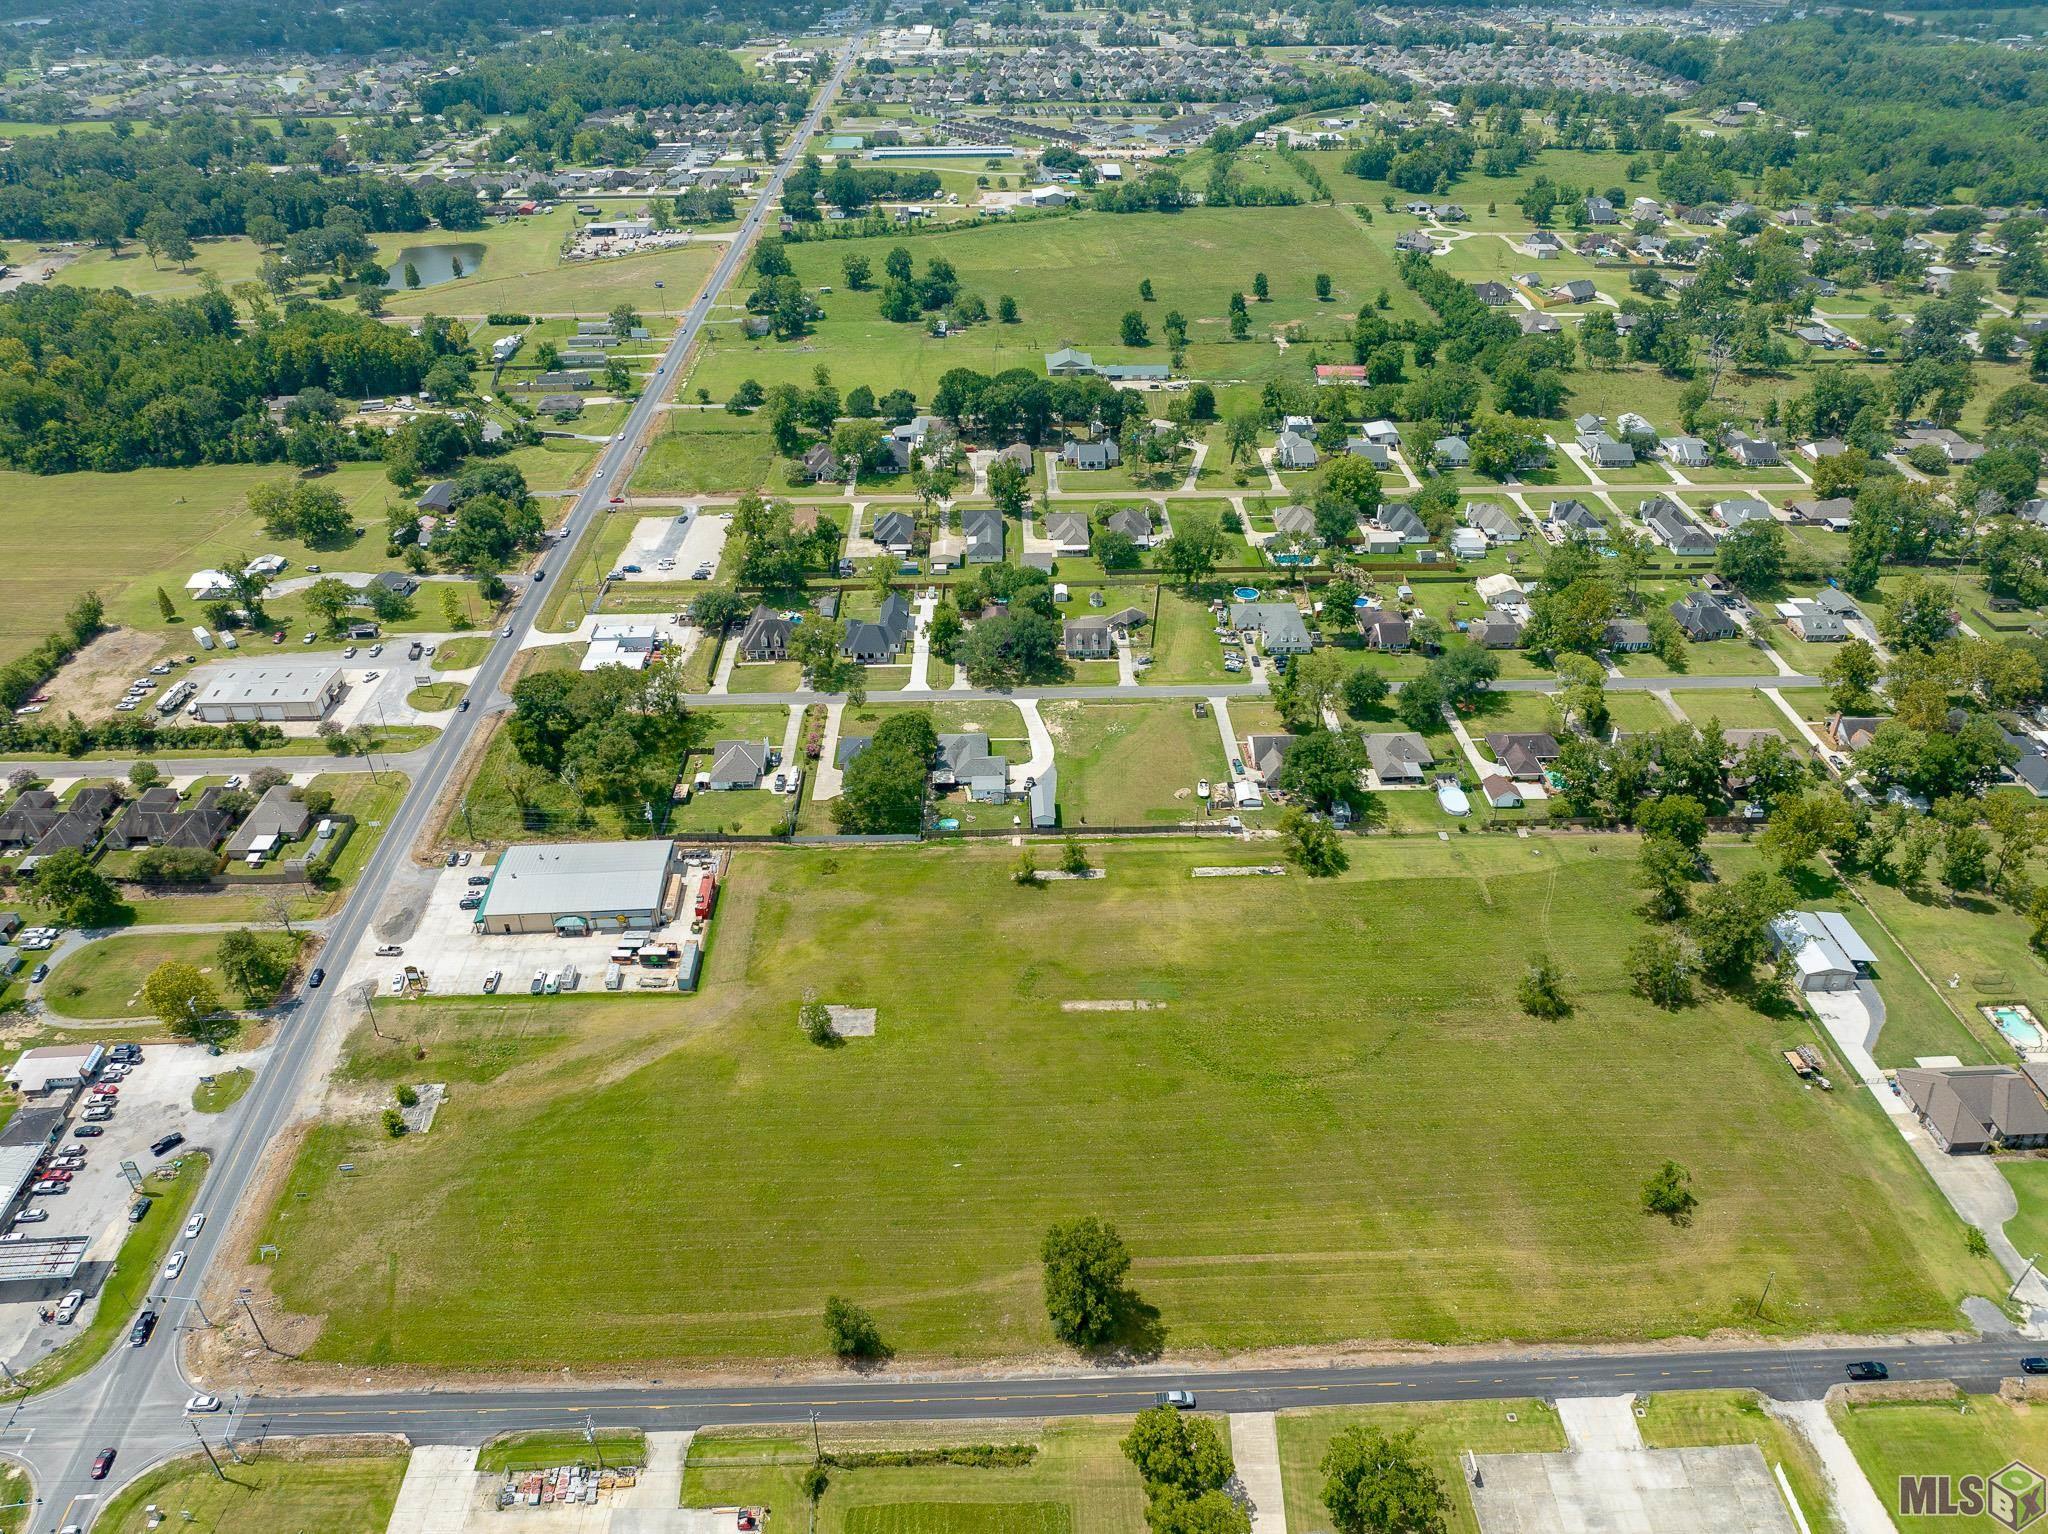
<point x="1123" y="764"/>
<point x="523" y="270"/>
<point x="736" y="812"/>
<point x="1895" y="1438"/>
<point x="104" y="979"/>
<point x="230" y="259"/>
<point x="1184" y="644"/>
<point x="1444" y="1431"/>
<point x="2028" y="1230"/>
<point x="460" y="654"/>
<point x="545" y="1450"/>
<point x="1975" y="941"/>
<point x="435" y="696"/>
<point x="915" y="1172"/>
<point x="225" y="1090"/>
<point x="1749" y="710"/>
<point x="298" y="1487"/>
<point x="1688" y="1419"/>
<point x="1078" y="1483"/>
<point x="130" y="1279"/>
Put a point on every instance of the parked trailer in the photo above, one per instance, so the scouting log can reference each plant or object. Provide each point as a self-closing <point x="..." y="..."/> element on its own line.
<point x="614" y="977"/>
<point x="202" y="638"/>
<point x="686" y="974"/>
<point x="707" y="898"/>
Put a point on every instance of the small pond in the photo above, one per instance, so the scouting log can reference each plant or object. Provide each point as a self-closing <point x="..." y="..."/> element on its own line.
<point x="436" y="264"/>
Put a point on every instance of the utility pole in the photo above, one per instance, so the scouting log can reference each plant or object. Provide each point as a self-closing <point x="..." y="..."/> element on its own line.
<point x="250" y="1312"/>
<point x="590" y="1437"/>
<point x="219" y="1474"/>
<point x="2025" y="1273"/>
<point x="817" y="1449"/>
<point x="1769" y="1279"/>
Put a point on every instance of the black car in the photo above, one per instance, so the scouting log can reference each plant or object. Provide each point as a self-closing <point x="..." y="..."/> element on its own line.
<point x="2035" y="1365"/>
<point x="313" y="980"/>
<point x="138" y="1334"/>
<point x="87" y="1132"/>
<point x="1869" y="1369"/>
<point x="39" y="974"/>
<point x="462" y="707"/>
<point x="452" y="860"/>
<point x="169" y="1142"/>
<point x="470" y="902"/>
<point x="476" y="879"/>
<point x="138" y="1209"/>
<point x="125" y="1054"/>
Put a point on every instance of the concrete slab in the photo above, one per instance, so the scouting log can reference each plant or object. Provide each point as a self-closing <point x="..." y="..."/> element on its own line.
<point x="1600" y="1423"/>
<point x="1255" y="1445"/>
<point x="1640" y="1491"/>
<point x="438" y="1491"/>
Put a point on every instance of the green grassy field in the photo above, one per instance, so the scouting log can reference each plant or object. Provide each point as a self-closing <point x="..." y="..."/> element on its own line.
<point x="1073" y="279"/>
<point x="544" y="1450"/>
<point x="226" y="1089"/>
<point x="1690" y="1419"/>
<point x="1078" y="1483"/>
<point x="697" y="452"/>
<point x="127" y="534"/>
<point x="351" y="1491"/>
<point x="522" y="270"/>
<point x="1444" y="1431"/>
<point x="915" y="1172"/>
<point x="1895" y="1438"/>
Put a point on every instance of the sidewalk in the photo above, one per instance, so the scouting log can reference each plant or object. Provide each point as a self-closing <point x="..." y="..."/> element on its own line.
<point x="1255" y="1445"/>
<point x="1855" y="1503"/>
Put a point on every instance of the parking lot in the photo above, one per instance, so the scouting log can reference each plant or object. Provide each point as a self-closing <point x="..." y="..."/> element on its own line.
<point x="443" y="944"/>
<point x="689" y="539"/>
<point x="155" y="1100"/>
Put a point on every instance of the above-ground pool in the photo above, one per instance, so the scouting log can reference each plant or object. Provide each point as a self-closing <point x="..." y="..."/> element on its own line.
<point x="1246" y="593"/>
<point x="1452" y="798"/>
<point x="948" y="824"/>
<point x="2018" y="1025"/>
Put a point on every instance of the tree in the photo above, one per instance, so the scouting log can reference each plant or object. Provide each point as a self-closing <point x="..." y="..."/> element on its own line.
<point x="1261" y="290"/>
<point x="1659" y="969"/>
<point x="887" y="794"/>
<point x="1666" y="869"/>
<point x="1752" y="558"/>
<point x="144" y="775"/>
<point x="1803" y="827"/>
<point x="1322" y="287"/>
<point x="851" y="1330"/>
<point x="1324" y="767"/>
<point x="1193" y="550"/>
<point x="1731" y="926"/>
<point x="329" y="599"/>
<point x="1541" y="992"/>
<point x="1313" y="845"/>
<point x="1134" y="330"/>
<point x="1376" y="1482"/>
<point x="254" y="965"/>
<point x="1009" y="487"/>
<point x="1085" y="1263"/>
<point x="79" y="894"/>
<point x="1669" y="1193"/>
<point x="184" y="1001"/>
<point x="1364" y="690"/>
<point x="857" y="271"/>
<point x="1852" y="675"/>
<point x="1177" y="1453"/>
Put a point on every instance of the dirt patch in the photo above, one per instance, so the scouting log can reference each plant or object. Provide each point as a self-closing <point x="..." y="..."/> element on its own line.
<point x="96" y="678"/>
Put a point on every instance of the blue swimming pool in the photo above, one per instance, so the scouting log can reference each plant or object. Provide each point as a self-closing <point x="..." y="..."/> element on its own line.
<point x="1246" y="593"/>
<point x="2017" y="1026"/>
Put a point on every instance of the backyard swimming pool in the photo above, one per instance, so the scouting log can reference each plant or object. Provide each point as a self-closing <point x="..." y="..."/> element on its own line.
<point x="2018" y="1025"/>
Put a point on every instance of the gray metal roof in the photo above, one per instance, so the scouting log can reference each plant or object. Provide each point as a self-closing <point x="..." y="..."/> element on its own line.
<point x="270" y="684"/>
<point x="41" y="1259"/>
<point x="576" y="877"/>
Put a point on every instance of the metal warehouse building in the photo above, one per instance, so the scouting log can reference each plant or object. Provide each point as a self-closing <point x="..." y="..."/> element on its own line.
<point x="580" y="887"/>
<point x="271" y="693"/>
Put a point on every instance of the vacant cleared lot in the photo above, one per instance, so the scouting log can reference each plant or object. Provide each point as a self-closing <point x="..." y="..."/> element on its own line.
<point x="1895" y="1438"/>
<point x="1078" y="1481"/>
<point x="1444" y="1431"/>
<point x="1368" y="1138"/>
<point x="1124" y="764"/>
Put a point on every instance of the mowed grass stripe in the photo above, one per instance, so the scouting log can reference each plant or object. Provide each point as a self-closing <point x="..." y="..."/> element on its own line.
<point x="1339" y="1126"/>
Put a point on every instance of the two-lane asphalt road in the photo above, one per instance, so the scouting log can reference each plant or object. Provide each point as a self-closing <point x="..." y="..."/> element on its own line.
<point x="131" y="1402"/>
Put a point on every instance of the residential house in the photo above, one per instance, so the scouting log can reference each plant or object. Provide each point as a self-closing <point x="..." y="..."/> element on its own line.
<point x="1399" y="756"/>
<point x="1493" y="521"/>
<point x="1752" y="452"/>
<point x="877" y="642"/>
<point x="1524" y="754"/>
<point x="1688" y="452"/>
<point x="1294" y="522"/>
<point x="1068" y="531"/>
<point x="1969" y="1109"/>
<point x="1102" y="453"/>
<point x="1631" y="425"/>
<point x="1835" y="513"/>
<point x="1294" y="451"/>
<point x="1134" y="522"/>
<point x="821" y="464"/>
<point x="894" y="531"/>
<point x="278" y="818"/>
<point x="766" y="636"/>
<point x="1501" y="792"/>
<point x="1384" y="629"/>
<point x="1278" y="624"/>
<point x="1087" y="639"/>
<point x="964" y="761"/>
<point x="1813" y="622"/>
<point x="1735" y="510"/>
<point x="1068" y="363"/>
<point x="1373" y="453"/>
<point x="1495" y="295"/>
<point x="1498" y="629"/>
<point x="1468" y="543"/>
<point x="1627" y="636"/>
<point x="983" y="526"/>
<point x="1578" y="291"/>
<point x="1264" y="755"/>
<point x="159" y="817"/>
<point x="1383" y="432"/>
<point x="39" y="823"/>
<point x="737" y="764"/>
<point x="1415" y="240"/>
<point x="1954" y="447"/>
<point x="1671" y="526"/>
<point x="1852" y="732"/>
<point x="1823" y="447"/>
<point x="1018" y="454"/>
<point x="1702" y="619"/>
<point x="1575" y="519"/>
<point x="1600" y="211"/>
<point x="1601" y="450"/>
<point x="1451" y="452"/>
<point x="1400" y="517"/>
<point x="1534" y="322"/>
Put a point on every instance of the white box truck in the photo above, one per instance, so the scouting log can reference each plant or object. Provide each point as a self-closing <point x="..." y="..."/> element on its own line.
<point x="614" y="977"/>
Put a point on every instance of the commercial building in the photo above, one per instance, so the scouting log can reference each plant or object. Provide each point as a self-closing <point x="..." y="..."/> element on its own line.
<point x="54" y="1068"/>
<point x="271" y="693"/>
<point x="573" y="888"/>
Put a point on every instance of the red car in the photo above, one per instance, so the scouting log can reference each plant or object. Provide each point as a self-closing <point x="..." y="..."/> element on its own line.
<point x="106" y="1089"/>
<point x="55" y="1174"/>
<point x="102" y="1462"/>
<point x="618" y="500"/>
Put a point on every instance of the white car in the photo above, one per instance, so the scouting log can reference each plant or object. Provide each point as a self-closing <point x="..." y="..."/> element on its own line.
<point x="202" y="1403"/>
<point x="388" y="950"/>
<point x="234" y="782"/>
<point x="398" y="985"/>
<point x="194" y="1226"/>
<point x="69" y="1307"/>
<point x="174" y="1265"/>
<point x="505" y="632"/>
